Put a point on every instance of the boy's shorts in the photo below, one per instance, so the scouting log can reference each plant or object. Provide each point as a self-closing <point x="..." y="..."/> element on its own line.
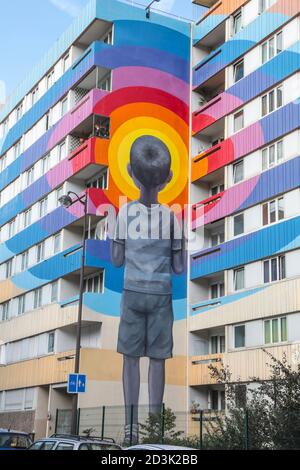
<point x="146" y="327"/>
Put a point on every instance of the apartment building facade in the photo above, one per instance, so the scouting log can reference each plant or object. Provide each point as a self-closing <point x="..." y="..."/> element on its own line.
<point x="244" y="280"/>
<point x="223" y="94"/>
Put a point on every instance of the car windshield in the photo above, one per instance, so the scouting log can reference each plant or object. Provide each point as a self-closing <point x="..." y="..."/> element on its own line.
<point x="4" y="439"/>
<point x="10" y="440"/>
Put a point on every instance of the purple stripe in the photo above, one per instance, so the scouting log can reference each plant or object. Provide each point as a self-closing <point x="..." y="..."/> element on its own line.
<point x="124" y="77"/>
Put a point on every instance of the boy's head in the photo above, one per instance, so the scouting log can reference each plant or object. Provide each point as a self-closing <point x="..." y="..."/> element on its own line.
<point x="150" y="163"/>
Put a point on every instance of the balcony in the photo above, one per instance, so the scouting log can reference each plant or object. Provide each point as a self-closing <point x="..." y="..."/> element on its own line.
<point x="246" y="249"/>
<point x="199" y="372"/>
<point x="55" y="368"/>
<point x="253" y="362"/>
<point x="206" y="3"/>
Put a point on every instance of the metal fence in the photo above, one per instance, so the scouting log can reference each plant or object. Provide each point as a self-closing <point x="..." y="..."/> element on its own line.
<point x="206" y="429"/>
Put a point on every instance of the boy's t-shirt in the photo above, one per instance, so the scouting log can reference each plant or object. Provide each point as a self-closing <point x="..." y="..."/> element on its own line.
<point x="149" y="235"/>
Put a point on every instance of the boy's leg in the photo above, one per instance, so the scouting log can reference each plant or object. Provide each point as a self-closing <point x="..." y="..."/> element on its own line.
<point x="156" y="384"/>
<point x="131" y="387"/>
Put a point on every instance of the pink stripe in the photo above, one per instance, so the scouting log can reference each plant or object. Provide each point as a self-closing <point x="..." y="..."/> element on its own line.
<point x="141" y="76"/>
<point x="230" y="202"/>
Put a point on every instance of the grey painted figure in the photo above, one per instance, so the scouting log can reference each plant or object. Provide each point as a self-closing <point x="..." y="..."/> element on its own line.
<point x="148" y="241"/>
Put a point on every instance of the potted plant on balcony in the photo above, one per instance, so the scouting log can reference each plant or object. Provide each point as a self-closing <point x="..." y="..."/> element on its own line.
<point x="195" y="408"/>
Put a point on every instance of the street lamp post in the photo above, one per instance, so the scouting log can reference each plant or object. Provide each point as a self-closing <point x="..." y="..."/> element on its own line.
<point x="148" y="8"/>
<point x="67" y="201"/>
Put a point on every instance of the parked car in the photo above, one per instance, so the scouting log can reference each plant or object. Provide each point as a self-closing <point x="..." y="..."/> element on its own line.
<point x="69" y="442"/>
<point x="14" y="440"/>
<point x="159" y="447"/>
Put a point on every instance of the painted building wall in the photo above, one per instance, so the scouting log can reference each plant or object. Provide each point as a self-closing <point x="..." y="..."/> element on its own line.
<point x="149" y="95"/>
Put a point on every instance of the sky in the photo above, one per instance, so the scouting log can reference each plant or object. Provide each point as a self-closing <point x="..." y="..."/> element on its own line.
<point x="27" y="35"/>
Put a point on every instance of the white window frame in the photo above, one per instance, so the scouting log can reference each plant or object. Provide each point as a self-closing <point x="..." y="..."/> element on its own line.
<point x="241" y="114"/>
<point x="267" y="97"/>
<point x="235" y="272"/>
<point x="269" y="204"/>
<point x="271" y="320"/>
<point x="266" y="154"/>
<point x="280" y="276"/>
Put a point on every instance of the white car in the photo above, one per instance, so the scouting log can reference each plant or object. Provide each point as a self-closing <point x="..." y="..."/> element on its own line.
<point x="157" y="447"/>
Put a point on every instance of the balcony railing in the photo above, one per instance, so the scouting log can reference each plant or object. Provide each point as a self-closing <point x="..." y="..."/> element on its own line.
<point x="200" y="373"/>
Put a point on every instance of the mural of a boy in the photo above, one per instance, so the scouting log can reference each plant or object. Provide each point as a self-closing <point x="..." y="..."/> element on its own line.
<point x="148" y="242"/>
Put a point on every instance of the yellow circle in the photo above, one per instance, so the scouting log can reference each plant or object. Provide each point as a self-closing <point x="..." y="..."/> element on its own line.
<point x="119" y="155"/>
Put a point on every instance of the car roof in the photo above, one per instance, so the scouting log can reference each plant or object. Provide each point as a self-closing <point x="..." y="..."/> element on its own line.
<point x="13" y="431"/>
<point x="158" y="446"/>
<point x="73" y="440"/>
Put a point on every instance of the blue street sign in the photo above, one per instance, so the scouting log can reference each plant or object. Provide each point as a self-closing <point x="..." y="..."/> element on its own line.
<point x="77" y="383"/>
<point x="81" y="384"/>
<point x="72" y="383"/>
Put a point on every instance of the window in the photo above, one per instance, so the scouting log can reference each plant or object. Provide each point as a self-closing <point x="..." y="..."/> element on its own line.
<point x="5" y="311"/>
<point x="240" y="396"/>
<point x="273" y="211"/>
<point x="66" y="63"/>
<point x="8" y="268"/>
<point x="239" y="279"/>
<point x="40" y="252"/>
<point x="45" y="164"/>
<point x="217" y="290"/>
<point x="21" y="305"/>
<point x="64" y="446"/>
<point x="217" y="238"/>
<point x="24" y="261"/>
<point x="62" y="151"/>
<point x="272" y="155"/>
<point x="12" y="228"/>
<point x="50" y="79"/>
<point x="101" y="182"/>
<point x="64" y="107"/>
<point x="48" y="123"/>
<point x="94" y="284"/>
<point x="238" y="225"/>
<point x="30" y="176"/>
<point x="34" y="96"/>
<point x="272" y="101"/>
<point x="237" y="22"/>
<point x="54" y="291"/>
<point x="38" y="298"/>
<point x="272" y="47"/>
<point x="217" y="189"/>
<point x="238" y="71"/>
<point x="51" y="338"/>
<point x="17" y="150"/>
<point x="217" y="344"/>
<point x="19" y="112"/>
<point x="238" y="172"/>
<point x="274" y="269"/>
<point x="108" y="38"/>
<point x="57" y="243"/>
<point x="265" y="4"/>
<point x="105" y="83"/>
<point x="238" y="121"/>
<point x="239" y="336"/>
<point x="3" y="163"/>
<point x="43" y="207"/>
<point x="5" y="126"/>
<point x="214" y="400"/>
<point x="27" y="217"/>
<point x="275" y="331"/>
<point x="59" y="194"/>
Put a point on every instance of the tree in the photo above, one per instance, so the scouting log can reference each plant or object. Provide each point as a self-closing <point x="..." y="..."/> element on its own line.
<point x="270" y="418"/>
<point x="160" y="427"/>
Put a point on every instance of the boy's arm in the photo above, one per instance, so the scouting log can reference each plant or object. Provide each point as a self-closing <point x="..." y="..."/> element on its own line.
<point x="118" y="243"/>
<point x="178" y="248"/>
